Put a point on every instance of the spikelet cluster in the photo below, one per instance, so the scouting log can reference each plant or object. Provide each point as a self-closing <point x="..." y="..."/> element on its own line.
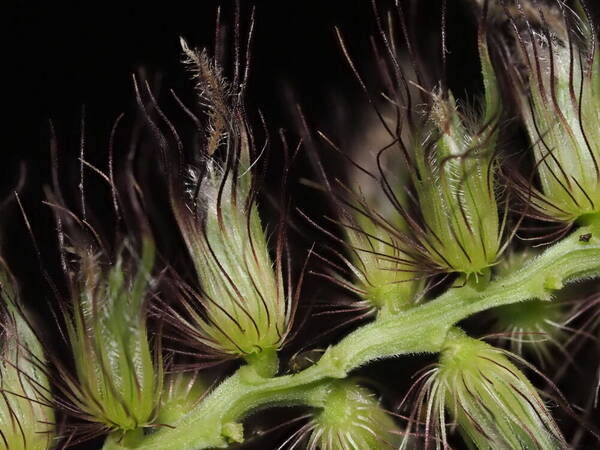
<point x="489" y="399"/>
<point x="245" y="306"/>
<point x="383" y="270"/>
<point x="117" y="378"/>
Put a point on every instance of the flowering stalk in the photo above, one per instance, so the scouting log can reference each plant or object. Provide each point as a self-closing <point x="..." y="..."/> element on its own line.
<point x="420" y="329"/>
<point x="240" y="304"/>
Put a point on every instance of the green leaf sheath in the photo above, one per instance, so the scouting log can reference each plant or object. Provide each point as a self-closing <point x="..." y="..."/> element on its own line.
<point x="418" y="330"/>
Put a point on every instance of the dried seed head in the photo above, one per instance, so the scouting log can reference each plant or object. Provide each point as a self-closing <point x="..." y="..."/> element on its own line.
<point x="26" y="414"/>
<point x="555" y="71"/>
<point x="352" y="418"/>
<point x="489" y="398"/>
<point x="245" y="307"/>
<point x="117" y="382"/>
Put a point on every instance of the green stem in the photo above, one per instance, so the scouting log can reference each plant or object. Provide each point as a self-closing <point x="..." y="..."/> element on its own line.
<point x="213" y="423"/>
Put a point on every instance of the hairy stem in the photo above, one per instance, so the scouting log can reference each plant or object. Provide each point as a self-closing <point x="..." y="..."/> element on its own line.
<point x="214" y="422"/>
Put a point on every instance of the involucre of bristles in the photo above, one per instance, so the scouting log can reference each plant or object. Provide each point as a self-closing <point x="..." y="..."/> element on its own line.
<point x="245" y="307"/>
<point x="26" y="411"/>
<point x="489" y="399"/>
<point x="382" y="270"/>
<point x="554" y="71"/>
<point x="118" y="378"/>
<point x="451" y="159"/>
<point x="380" y="267"/>
<point x="454" y="177"/>
<point x="352" y="419"/>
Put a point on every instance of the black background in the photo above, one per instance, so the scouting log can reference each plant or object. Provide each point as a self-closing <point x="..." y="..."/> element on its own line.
<point x="66" y="55"/>
<point x="63" y="56"/>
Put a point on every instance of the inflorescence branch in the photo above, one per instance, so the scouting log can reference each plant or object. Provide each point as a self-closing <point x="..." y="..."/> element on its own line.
<point x="215" y="421"/>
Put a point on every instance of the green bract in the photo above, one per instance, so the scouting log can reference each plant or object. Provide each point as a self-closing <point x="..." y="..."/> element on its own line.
<point x="493" y="403"/>
<point x="352" y="419"/>
<point x="117" y="382"/>
<point x="246" y="308"/>
<point x="26" y="412"/>
<point x="559" y="100"/>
